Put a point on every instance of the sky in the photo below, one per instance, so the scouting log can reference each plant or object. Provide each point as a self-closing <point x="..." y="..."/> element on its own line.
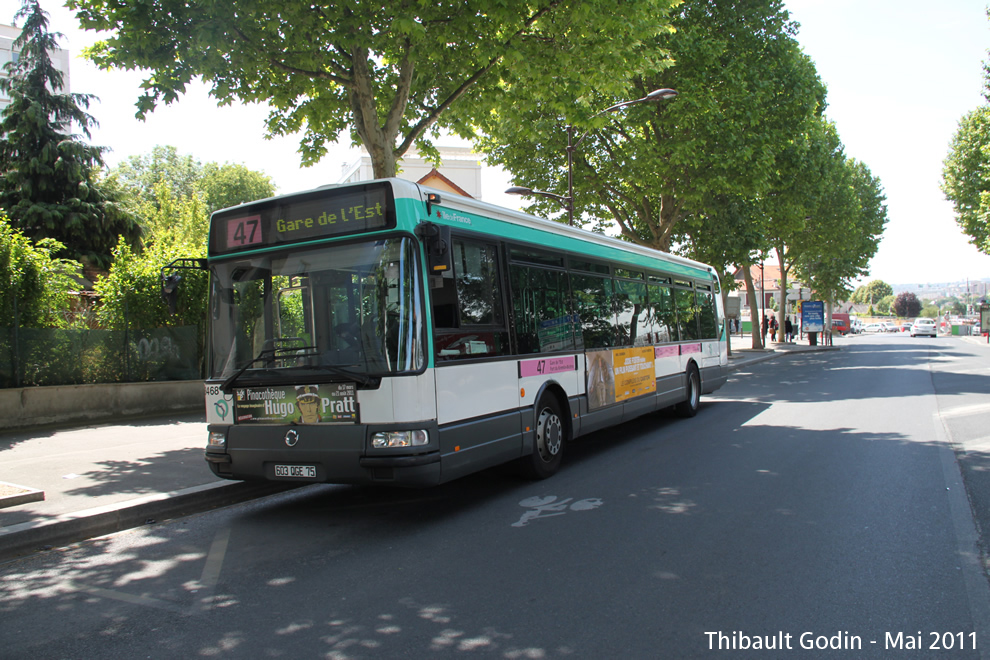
<point x="900" y="75"/>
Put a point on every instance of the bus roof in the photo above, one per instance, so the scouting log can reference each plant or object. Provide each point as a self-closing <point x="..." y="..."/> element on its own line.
<point x="525" y="226"/>
<point x="472" y="214"/>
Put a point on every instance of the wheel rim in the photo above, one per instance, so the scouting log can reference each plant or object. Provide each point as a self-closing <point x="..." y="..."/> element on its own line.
<point x="549" y="434"/>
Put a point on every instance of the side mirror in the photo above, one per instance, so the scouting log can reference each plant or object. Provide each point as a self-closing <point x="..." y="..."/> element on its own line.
<point x="170" y="283"/>
<point x="438" y="247"/>
<point x="170" y="291"/>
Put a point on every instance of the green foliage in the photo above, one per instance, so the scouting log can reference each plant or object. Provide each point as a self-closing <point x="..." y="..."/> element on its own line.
<point x="907" y="305"/>
<point x="223" y="186"/>
<point x="131" y="293"/>
<point x="745" y="90"/>
<point x="218" y="186"/>
<point x="39" y="282"/>
<point x="872" y="292"/>
<point x="929" y="311"/>
<point x="886" y="305"/>
<point x="393" y="73"/>
<point x="966" y="176"/>
<point x="844" y="230"/>
<point x="48" y="176"/>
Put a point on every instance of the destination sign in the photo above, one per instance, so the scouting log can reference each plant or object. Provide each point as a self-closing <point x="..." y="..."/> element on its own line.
<point x="323" y="213"/>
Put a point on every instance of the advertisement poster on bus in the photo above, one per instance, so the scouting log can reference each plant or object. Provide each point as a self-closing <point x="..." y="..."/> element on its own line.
<point x="300" y="404"/>
<point x="620" y="374"/>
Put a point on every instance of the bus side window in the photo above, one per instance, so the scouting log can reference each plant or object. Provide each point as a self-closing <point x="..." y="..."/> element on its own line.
<point x="467" y="309"/>
<point x="634" y="324"/>
<point x="593" y="302"/>
<point x="687" y="314"/>
<point x="544" y="321"/>
<point x="664" y="321"/>
<point x="706" y="306"/>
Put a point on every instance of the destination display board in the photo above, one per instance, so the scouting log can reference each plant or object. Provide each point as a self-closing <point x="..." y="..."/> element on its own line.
<point x="322" y="213"/>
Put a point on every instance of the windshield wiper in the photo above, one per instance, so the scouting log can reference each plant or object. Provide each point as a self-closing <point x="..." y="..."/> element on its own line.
<point x="282" y="353"/>
<point x="228" y="383"/>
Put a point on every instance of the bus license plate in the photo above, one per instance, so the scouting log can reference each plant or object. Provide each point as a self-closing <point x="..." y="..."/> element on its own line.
<point x="298" y="471"/>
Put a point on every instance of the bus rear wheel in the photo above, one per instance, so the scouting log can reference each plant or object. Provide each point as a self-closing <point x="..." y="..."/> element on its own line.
<point x="551" y="433"/>
<point x="689" y="407"/>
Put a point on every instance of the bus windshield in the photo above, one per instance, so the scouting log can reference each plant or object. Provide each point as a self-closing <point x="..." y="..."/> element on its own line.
<point x="340" y="312"/>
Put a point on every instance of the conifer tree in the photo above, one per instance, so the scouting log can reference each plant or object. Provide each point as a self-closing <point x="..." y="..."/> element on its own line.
<point x="48" y="175"/>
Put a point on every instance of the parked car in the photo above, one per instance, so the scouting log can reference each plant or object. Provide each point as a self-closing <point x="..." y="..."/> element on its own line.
<point x="874" y="327"/>
<point x="888" y="326"/>
<point x="924" y="327"/>
<point x="906" y="327"/>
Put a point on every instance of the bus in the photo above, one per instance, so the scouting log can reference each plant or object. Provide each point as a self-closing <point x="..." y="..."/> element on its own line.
<point x="387" y="333"/>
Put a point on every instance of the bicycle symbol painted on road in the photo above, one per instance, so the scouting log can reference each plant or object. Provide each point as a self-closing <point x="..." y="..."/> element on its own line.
<point x="545" y="507"/>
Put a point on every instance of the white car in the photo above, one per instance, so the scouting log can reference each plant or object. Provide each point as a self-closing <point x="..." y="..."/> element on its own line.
<point x="874" y="327"/>
<point x="924" y="327"/>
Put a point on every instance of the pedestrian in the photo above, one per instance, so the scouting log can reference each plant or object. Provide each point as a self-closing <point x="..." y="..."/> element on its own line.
<point x="766" y="324"/>
<point x="789" y="329"/>
<point x="773" y="329"/>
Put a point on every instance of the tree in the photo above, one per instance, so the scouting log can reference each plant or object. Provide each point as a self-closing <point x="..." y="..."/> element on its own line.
<point x="130" y="294"/>
<point x="393" y="73"/>
<point x="218" y="186"/>
<point x="844" y="231"/>
<point x="48" y="176"/>
<point x="34" y="285"/>
<point x="745" y="89"/>
<point x="230" y="184"/>
<point x="966" y="171"/>
<point x="726" y="235"/>
<point x="966" y="176"/>
<point x="907" y="305"/>
<point x="872" y="293"/>
<point x="804" y="176"/>
<point x="885" y="306"/>
<point x="139" y="176"/>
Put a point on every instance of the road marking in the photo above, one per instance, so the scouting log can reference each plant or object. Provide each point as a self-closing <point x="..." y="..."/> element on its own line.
<point x="124" y="597"/>
<point x="961" y="411"/>
<point x="546" y="507"/>
<point x="211" y="570"/>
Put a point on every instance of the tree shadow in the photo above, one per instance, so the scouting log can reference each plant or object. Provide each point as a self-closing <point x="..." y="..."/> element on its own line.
<point x="353" y="571"/>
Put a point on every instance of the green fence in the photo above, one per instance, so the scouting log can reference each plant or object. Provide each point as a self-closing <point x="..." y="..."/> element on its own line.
<point x="74" y="357"/>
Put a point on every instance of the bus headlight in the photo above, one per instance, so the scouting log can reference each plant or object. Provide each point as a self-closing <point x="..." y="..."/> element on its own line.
<point x="216" y="440"/>
<point x="384" y="439"/>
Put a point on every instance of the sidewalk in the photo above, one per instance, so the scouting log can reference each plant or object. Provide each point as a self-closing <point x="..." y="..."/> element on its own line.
<point x="61" y="485"/>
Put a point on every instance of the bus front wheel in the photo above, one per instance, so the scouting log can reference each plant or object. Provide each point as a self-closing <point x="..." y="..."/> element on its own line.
<point x="551" y="432"/>
<point x="689" y="407"/>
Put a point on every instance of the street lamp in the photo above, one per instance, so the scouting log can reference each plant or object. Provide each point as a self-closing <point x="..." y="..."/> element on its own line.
<point x="568" y="201"/>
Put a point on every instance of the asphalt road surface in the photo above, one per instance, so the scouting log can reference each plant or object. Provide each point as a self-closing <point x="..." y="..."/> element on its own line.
<point x="814" y="506"/>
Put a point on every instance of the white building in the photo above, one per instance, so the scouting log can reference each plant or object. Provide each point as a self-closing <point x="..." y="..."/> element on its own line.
<point x="459" y="172"/>
<point x="60" y="58"/>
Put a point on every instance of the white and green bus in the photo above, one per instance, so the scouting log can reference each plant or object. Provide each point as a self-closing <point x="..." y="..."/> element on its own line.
<point x="387" y="333"/>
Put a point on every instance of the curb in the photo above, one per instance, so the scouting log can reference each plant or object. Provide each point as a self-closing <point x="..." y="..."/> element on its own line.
<point x="772" y="354"/>
<point x="28" y="537"/>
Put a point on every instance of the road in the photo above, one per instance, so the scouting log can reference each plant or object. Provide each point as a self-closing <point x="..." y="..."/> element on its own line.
<point x="814" y="501"/>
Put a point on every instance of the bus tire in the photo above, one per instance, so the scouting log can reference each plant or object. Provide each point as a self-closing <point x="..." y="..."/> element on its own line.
<point x="689" y="407"/>
<point x="550" y="434"/>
